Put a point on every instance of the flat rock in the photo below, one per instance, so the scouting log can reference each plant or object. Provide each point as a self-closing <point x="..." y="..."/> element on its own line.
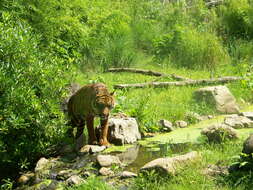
<point x="248" y="145"/>
<point x="91" y="149"/>
<point x="238" y="122"/>
<point x="108" y="160"/>
<point x="166" y="125"/>
<point x="169" y="165"/>
<point x="106" y="171"/>
<point x="127" y="174"/>
<point x="219" y="132"/>
<point x="75" y="180"/>
<point x="218" y="96"/>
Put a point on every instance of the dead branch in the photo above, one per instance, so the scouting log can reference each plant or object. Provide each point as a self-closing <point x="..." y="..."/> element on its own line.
<point x="147" y="72"/>
<point x="221" y="80"/>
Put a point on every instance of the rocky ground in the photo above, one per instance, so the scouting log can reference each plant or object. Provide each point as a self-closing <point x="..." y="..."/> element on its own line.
<point x="73" y="167"/>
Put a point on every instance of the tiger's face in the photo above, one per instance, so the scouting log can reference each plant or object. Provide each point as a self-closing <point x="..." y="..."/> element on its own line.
<point x="103" y="105"/>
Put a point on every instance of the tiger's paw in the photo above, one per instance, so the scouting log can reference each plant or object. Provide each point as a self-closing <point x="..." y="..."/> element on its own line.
<point x="105" y="143"/>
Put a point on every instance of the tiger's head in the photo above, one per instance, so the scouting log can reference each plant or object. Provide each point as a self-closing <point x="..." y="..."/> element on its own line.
<point x="103" y="105"/>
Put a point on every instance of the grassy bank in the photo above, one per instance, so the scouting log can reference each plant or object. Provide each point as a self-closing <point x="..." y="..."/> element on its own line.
<point x="45" y="45"/>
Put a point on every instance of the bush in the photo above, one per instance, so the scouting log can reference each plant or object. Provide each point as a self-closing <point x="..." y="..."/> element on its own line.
<point x="237" y="18"/>
<point x="31" y="85"/>
<point x="189" y="48"/>
<point x="111" y="42"/>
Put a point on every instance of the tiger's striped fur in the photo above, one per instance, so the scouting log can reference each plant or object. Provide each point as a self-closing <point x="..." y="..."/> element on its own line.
<point x="93" y="100"/>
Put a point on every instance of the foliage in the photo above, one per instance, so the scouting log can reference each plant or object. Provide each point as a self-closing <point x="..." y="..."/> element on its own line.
<point x="31" y="85"/>
<point x="189" y="48"/>
<point x="237" y="18"/>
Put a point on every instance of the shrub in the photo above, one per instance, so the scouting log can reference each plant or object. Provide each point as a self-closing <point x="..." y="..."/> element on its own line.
<point x="110" y="42"/>
<point x="237" y="18"/>
<point x="189" y="48"/>
<point x="31" y="85"/>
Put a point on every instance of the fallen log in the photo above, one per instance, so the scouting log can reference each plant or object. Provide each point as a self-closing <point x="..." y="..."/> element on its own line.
<point x="221" y="80"/>
<point x="147" y="72"/>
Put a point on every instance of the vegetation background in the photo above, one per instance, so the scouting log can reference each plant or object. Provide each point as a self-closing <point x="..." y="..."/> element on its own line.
<point x="46" y="45"/>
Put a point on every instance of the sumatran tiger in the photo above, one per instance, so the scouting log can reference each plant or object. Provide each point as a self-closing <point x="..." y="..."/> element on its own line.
<point x="93" y="100"/>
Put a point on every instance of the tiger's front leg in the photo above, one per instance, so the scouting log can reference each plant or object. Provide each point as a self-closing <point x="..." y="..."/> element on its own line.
<point x="90" y="125"/>
<point x="103" y="136"/>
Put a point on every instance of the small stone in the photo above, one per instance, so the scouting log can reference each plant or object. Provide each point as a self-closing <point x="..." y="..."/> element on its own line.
<point x="127" y="174"/>
<point x="64" y="174"/>
<point x="248" y="145"/>
<point x="75" y="180"/>
<point x="91" y="149"/>
<point x="214" y="170"/>
<point x="25" y="178"/>
<point x="106" y="171"/>
<point x="194" y="117"/>
<point x="42" y="163"/>
<point x="167" y="125"/>
<point x="181" y="124"/>
<point x="86" y="174"/>
<point x="107" y="160"/>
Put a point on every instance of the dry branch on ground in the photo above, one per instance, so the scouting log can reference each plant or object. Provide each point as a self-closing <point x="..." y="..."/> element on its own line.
<point x="147" y="72"/>
<point x="221" y="80"/>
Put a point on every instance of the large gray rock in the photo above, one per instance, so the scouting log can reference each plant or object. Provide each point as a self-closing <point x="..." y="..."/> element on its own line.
<point x="122" y="131"/>
<point x="107" y="160"/>
<point x="238" y="122"/>
<point x="169" y="165"/>
<point x="218" y="96"/>
<point x="166" y="125"/>
<point x="219" y="132"/>
<point x="248" y="145"/>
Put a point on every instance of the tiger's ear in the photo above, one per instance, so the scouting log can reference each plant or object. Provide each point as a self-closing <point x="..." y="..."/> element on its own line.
<point x="113" y="93"/>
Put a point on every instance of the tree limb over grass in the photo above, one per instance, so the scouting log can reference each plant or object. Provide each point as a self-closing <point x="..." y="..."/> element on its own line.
<point x="221" y="80"/>
<point x="147" y="72"/>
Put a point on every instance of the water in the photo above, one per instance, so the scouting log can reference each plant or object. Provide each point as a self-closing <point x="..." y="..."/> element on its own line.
<point x="137" y="156"/>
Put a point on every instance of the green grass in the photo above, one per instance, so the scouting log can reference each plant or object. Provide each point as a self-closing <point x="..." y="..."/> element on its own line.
<point x="92" y="183"/>
<point x="149" y="105"/>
